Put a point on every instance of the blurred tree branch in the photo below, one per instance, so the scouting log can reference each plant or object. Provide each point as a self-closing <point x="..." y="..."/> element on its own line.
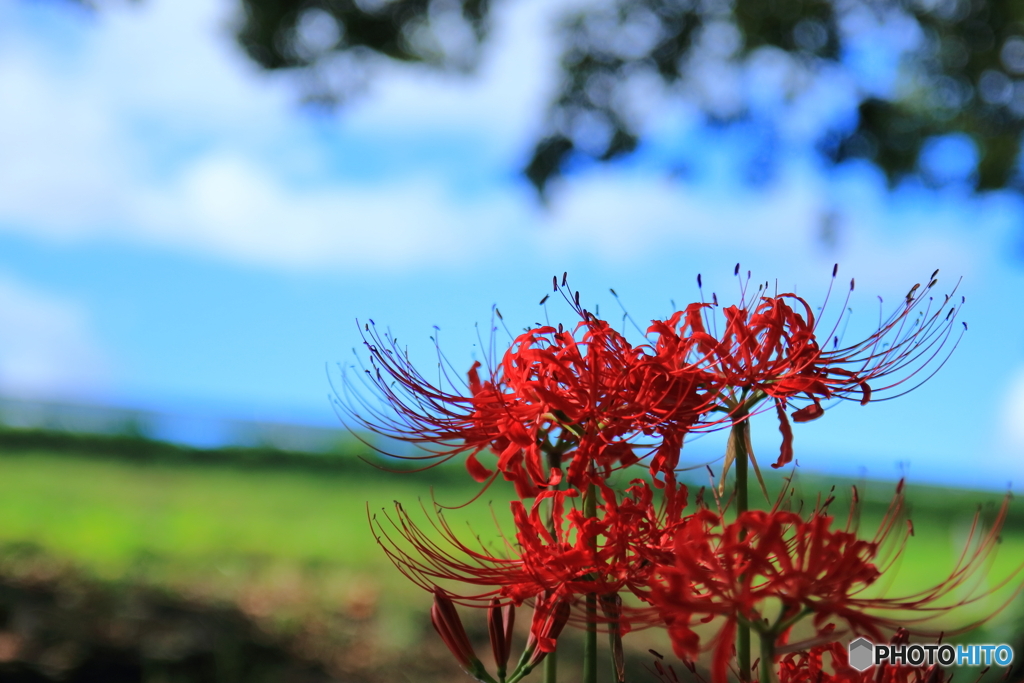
<point x="957" y="70"/>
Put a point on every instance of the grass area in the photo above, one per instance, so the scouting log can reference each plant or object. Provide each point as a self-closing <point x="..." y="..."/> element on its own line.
<point x="282" y="542"/>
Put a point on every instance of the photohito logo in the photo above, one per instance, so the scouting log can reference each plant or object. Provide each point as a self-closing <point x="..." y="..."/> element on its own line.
<point x="865" y="654"/>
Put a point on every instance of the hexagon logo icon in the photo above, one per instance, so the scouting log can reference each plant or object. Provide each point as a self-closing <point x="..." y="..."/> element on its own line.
<point x="862" y="654"/>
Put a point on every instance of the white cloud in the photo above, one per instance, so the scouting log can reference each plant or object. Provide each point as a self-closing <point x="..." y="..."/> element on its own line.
<point x="47" y="346"/>
<point x="85" y="142"/>
<point x="505" y="98"/>
<point x="617" y="216"/>
<point x="78" y="165"/>
<point x="630" y="216"/>
<point x="234" y="209"/>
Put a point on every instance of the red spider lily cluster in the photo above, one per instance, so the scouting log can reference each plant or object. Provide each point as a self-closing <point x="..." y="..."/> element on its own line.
<point x="564" y="408"/>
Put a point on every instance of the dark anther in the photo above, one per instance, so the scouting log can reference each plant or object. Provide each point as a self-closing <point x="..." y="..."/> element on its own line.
<point x="544" y="299"/>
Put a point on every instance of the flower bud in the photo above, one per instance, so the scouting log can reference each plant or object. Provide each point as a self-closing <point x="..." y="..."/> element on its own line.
<point x="500" y="619"/>
<point x="446" y="622"/>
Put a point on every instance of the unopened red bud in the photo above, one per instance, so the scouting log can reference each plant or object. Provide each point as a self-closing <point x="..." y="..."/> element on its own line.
<point x="500" y="619"/>
<point x="445" y="619"/>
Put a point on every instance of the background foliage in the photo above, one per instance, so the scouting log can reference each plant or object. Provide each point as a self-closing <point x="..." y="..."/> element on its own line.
<point x="914" y="71"/>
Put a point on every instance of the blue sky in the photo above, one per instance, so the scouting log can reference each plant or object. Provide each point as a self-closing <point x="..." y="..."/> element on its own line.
<point x="176" y="234"/>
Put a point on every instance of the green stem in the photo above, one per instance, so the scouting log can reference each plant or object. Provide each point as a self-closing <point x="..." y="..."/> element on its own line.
<point x="739" y="435"/>
<point x="522" y="668"/>
<point x="551" y="660"/>
<point x="551" y="667"/>
<point x="590" y="641"/>
<point x="742" y="461"/>
<point x="768" y="657"/>
<point x="783" y="624"/>
<point x="612" y="606"/>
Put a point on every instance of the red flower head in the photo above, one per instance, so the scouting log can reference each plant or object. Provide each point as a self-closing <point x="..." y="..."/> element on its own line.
<point x="740" y="569"/>
<point x="773" y="347"/>
<point x="585" y="398"/>
<point x="558" y="399"/>
<point x="558" y="551"/>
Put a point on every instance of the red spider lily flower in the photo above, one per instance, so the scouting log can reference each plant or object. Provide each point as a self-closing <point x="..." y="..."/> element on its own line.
<point x="585" y="398"/>
<point x="594" y="400"/>
<point x="558" y="551"/>
<point x="737" y="569"/>
<point x="567" y="397"/>
<point x="729" y="570"/>
<point x="773" y="347"/>
<point x="445" y="619"/>
<point x="552" y="568"/>
<point x="581" y="555"/>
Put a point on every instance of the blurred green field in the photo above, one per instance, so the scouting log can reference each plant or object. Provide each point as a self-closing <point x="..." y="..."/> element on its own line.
<point x="283" y="542"/>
